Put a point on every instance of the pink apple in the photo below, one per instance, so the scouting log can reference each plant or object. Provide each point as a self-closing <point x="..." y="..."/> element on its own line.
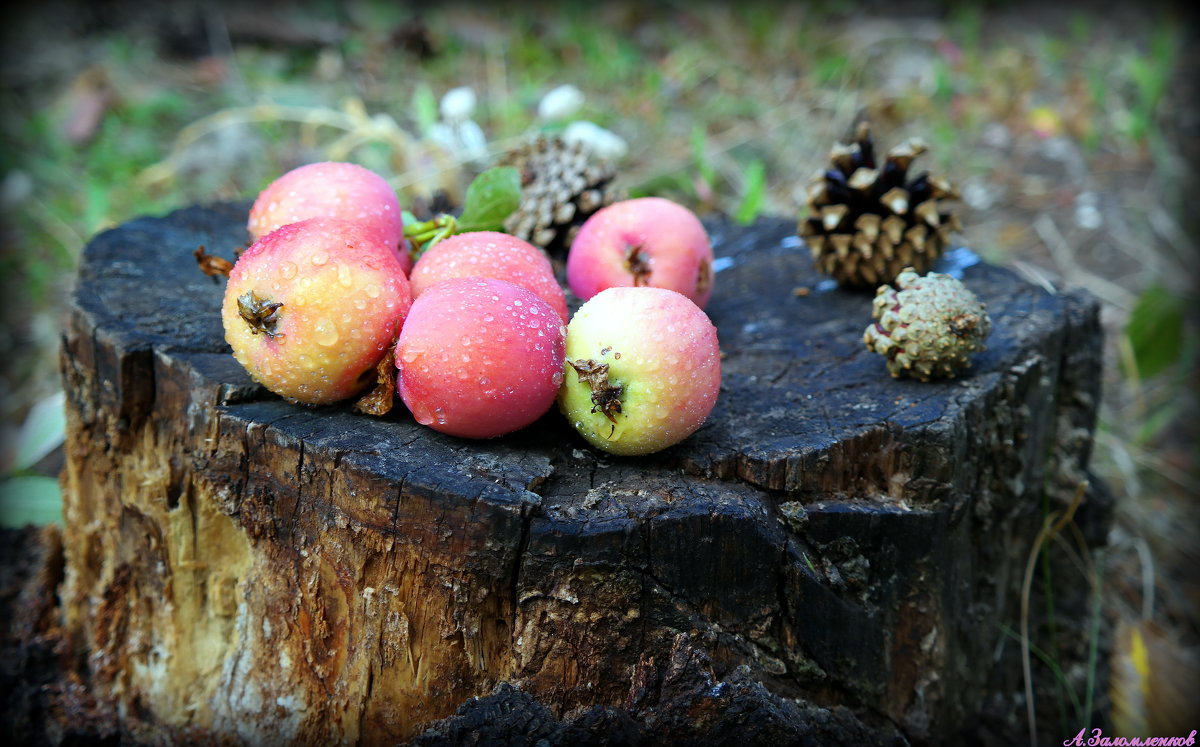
<point x="649" y="241"/>
<point x="331" y="190"/>
<point x="494" y="255"/>
<point x="312" y="307"/>
<point x="642" y="371"/>
<point x="479" y="357"/>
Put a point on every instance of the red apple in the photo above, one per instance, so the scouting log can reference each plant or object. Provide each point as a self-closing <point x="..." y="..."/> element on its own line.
<point x="494" y="255"/>
<point x="479" y="357"/>
<point x="332" y="190"/>
<point x="649" y="241"/>
<point x="312" y="307"/>
<point x="643" y="369"/>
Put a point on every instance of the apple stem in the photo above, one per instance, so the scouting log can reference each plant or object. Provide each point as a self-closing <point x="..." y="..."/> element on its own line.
<point x="425" y="234"/>
<point x="260" y="313"/>
<point x="637" y="264"/>
<point x="705" y="277"/>
<point x="606" y="398"/>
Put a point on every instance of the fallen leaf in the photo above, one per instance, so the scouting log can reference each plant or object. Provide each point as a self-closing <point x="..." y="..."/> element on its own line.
<point x="86" y="102"/>
<point x="211" y="265"/>
<point x="379" y="400"/>
<point x="1153" y="682"/>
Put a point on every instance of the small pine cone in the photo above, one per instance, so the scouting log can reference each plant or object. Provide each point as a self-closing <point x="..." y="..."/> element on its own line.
<point x="927" y="328"/>
<point x="866" y="223"/>
<point x="561" y="186"/>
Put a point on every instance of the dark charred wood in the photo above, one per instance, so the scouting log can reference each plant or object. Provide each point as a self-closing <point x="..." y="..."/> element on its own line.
<point x="834" y="556"/>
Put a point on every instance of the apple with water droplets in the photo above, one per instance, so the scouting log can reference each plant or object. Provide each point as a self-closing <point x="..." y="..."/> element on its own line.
<point x="642" y="370"/>
<point x="644" y="242"/>
<point x="490" y="254"/>
<point x="479" y="357"/>
<point x="332" y="190"/>
<point x="311" y="308"/>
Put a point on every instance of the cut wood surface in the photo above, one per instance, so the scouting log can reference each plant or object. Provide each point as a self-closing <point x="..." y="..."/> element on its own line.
<point x="834" y="555"/>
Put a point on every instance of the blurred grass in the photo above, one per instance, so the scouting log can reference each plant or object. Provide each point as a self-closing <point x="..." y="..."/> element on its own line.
<point x="1039" y="114"/>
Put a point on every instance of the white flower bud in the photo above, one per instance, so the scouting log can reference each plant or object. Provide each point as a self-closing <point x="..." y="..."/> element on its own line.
<point x="458" y="104"/>
<point x="443" y="136"/>
<point x="560" y="103"/>
<point x="464" y="140"/>
<point x="603" y="143"/>
<point x="474" y="142"/>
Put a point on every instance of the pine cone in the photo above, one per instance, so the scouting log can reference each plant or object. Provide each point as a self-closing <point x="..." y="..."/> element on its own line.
<point x="866" y="224"/>
<point x="561" y="186"/>
<point x="927" y="326"/>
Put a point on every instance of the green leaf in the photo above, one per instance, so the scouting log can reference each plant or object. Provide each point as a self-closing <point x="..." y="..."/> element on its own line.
<point x="700" y="155"/>
<point x="674" y="182"/>
<point x="1155" y="330"/>
<point x="30" y="500"/>
<point x="424" y="107"/>
<point x="95" y="212"/>
<point x="409" y="218"/>
<point x="493" y="196"/>
<point x="44" y="429"/>
<point x="752" y="197"/>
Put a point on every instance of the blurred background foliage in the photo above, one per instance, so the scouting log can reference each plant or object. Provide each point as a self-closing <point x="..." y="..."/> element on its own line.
<point x="1070" y="128"/>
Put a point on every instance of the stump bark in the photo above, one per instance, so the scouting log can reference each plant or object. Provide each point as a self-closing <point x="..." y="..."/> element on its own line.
<point x="833" y="556"/>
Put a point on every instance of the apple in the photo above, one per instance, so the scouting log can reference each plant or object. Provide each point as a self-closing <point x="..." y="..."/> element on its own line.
<point x="479" y="357"/>
<point x="494" y="255"/>
<point x="648" y="241"/>
<point x="311" y="308"/>
<point x="332" y="190"/>
<point x="642" y="371"/>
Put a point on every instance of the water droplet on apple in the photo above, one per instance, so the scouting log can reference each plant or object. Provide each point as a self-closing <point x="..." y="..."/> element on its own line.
<point x="421" y="414"/>
<point x="372" y="290"/>
<point x="320" y="257"/>
<point x="325" y="332"/>
<point x="344" y="276"/>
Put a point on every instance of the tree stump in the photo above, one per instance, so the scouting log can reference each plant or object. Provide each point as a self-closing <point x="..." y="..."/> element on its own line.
<point x="833" y="555"/>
